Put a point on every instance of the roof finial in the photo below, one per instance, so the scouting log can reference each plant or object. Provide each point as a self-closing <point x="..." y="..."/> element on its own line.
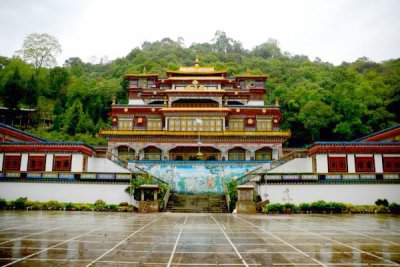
<point x="247" y="71"/>
<point x="277" y="101"/>
<point x="197" y="63"/>
<point x="144" y="70"/>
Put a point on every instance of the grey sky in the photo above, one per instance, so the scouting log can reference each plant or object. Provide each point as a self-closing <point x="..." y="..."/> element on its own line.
<point x="335" y="31"/>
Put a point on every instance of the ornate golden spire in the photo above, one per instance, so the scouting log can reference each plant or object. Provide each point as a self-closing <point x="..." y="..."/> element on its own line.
<point x="197" y="63"/>
<point x="277" y="101"/>
<point x="247" y="71"/>
<point x="144" y="70"/>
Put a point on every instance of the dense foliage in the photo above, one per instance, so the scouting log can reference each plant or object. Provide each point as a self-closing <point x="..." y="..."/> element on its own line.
<point x="319" y="101"/>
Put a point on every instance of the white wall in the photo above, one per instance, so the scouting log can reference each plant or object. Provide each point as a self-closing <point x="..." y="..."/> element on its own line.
<point x="351" y="163"/>
<point x="49" y="162"/>
<point x="378" y="163"/>
<point x="1" y="161"/>
<point x="358" y="194"/>
<point x="82" y="193"/>
<point x="300" y="165"/>
<point x="322" y="163"/>
<point x="77" y="163"/>
<point x="104" y="165"/>
<point x="24" y="163"/>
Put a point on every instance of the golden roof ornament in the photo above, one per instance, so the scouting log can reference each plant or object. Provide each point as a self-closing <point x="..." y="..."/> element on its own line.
<point x="144" y="70"/>
<point x="247" y="71"/>
<point x="113" y="100"/>
<point x="197" y="63"/>
<point x="277" y="101"/>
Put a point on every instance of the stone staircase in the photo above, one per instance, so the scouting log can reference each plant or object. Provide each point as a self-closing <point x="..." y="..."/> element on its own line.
<point x="197" y="203"/>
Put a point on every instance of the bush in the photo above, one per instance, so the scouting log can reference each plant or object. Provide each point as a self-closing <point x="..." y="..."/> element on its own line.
<point x="274" y="208"/>
<point x="84" y="207"/>
<point x="53" y="205"/>
<point x="70" y="206"/>
<point x="394" y="208"/>
<point x="336" y="207"/>
<point x="305" y="207"/>
<point x="20" y="203"/>
<point x="381" y="202"/>
<point x="100" y="205"/>
<point x="319" y="206"/>
<point x="34" y="205"/>
<point x="290" y="208"/>
<point x="122" y="204"/>
<point x="3" y="203"/>
<point x="112" y="207"/>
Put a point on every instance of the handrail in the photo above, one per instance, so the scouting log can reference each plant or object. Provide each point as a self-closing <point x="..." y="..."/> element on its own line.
<point x="140" y="169"/>
<point x="166" y="199"/>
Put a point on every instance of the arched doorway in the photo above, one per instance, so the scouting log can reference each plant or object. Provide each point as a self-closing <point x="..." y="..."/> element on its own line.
<point x="152" y="153"/>
<point x="126" y="153"/>
<point x="264" y="153"/>
<point x="190" y="153"/>
<point x="237" y="153"/>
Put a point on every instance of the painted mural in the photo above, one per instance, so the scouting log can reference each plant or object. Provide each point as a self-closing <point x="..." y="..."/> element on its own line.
<point x="205" y="178"/>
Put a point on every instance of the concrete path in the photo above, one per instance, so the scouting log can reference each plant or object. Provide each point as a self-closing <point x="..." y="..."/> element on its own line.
<point x="37" y="238"/>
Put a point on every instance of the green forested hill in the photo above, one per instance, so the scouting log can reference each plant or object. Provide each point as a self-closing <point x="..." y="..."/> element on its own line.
<point x="319" y="101"/>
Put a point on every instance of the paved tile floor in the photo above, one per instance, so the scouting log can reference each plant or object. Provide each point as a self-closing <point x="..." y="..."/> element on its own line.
<point x="37" y="238"/>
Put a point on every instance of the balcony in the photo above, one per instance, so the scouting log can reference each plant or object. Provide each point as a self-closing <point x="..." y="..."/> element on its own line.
<point x="283" y="133"/>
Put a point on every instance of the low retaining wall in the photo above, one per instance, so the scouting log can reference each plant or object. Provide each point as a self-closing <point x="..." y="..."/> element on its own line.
<point x="65" y="192"/>
<point x="357" y="194"/>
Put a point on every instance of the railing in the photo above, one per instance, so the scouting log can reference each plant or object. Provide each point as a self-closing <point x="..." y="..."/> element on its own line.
<point x="283" y="133"/>
<point x="66" y="175"/>
<point x="331" y="176"/>
<point x="166" y="199"/>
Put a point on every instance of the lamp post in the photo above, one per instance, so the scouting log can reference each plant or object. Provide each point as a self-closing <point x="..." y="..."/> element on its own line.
<point x="199" y="122"/>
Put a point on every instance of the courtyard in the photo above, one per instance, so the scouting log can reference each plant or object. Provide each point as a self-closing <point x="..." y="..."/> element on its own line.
<point x="38" y="238"/>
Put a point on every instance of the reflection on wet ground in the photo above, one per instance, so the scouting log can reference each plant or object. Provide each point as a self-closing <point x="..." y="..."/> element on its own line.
<point x="37" y="238"/>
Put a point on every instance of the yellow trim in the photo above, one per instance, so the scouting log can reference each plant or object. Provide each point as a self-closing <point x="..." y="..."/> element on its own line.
<point x="251" y="76"/>
<point x="285" y="133"/>
<point x="213" y="78"/>
<point x="195" y="109"/>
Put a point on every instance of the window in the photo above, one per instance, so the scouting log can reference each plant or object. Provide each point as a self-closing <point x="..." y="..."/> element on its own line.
<point x="36" y="163"/>
<point x="62" y="163"/>
<point x="391" y="164"/>
<point x="337" y="164"/>
<point x="264" y="125"/>
<point x="12" y="163"/>
<point x="154" y="124"/>
<point x="236" y="125"/>
<point x="125" y="124"/>
<point x="365" y="164"/>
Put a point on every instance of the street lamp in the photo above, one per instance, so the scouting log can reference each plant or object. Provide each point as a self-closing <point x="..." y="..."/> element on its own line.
<point x="199" y="122"/>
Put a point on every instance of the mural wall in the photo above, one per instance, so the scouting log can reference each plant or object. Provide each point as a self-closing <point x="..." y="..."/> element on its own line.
<point x="196" y="178"/>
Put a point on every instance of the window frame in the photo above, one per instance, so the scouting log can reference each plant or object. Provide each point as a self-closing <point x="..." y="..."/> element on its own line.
<point x="12" y="167"/>
<point x="37" y="159"/>
<point x="335" y="164"/>
<point x="392" y="160"/>
<point x="63" y="159"/>
<point x="364" y="160"/>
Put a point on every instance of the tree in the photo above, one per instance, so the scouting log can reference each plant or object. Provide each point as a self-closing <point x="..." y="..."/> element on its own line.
<point x="31" y="92"/>
<point x="13" y="91"/>
<point x="41" y="50"/>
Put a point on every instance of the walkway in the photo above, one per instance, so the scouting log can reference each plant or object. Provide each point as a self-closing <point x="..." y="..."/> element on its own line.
<point x="171" y="239"/>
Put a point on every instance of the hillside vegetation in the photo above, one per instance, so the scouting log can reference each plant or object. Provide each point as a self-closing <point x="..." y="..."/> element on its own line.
<point x="319" y="101"/>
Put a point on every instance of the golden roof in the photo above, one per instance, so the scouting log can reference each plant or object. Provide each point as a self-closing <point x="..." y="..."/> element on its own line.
<point x="196" y="69"/>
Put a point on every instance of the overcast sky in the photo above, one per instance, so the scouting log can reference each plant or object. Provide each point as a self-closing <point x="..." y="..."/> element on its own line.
<point x="335" y="31"/>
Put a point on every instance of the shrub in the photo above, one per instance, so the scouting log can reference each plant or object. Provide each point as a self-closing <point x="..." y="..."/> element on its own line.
<point x="70" y="206"/>
<point x="84" y="207"/>
<point x="381" y="202"/>
<point x="112" y="207"/>
<point x="53" y="205"/>
<point x="3" y="203"/>
<point x="305" y="207"/>
<point x="336" y="207"/>
<point x="394" y="208"/>
<point x="274" y="208"/>
<point x="122" y="204"/>
<point x="100" y="205"/>
<point x="318" y="206"/>
<point x="290" y="208"/>
<point x="20" y="203"/>
<point x="125" y="209"/>
<point x="34" y="205"/>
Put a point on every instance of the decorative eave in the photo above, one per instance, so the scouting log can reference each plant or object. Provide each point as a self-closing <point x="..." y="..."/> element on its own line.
<point x="18" y="134"/>
<point x="48" y="147"/>
<point x="198" y="78"/>
<point x="140" y="75"/>
<point x="391" y="132"/>
<point x="188" y="109"/>
<point x="241" y="134"/>
<point x="354" y="148"/>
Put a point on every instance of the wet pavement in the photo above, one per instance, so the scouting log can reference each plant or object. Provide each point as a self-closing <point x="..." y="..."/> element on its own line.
<point x="37" y="238"/>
